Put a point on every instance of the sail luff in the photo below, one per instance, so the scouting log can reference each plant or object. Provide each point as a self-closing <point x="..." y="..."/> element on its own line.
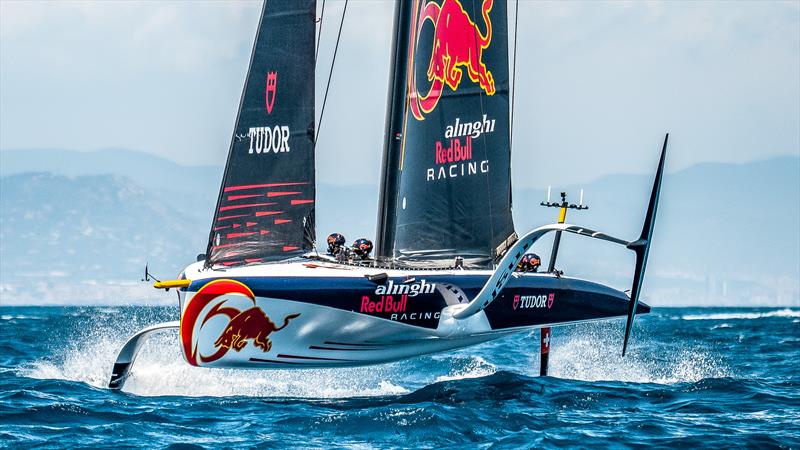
<point x="395" y="107"/>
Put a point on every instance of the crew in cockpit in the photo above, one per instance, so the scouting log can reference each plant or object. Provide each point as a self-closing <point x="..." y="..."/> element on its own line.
<point x="335" y="244"/>
<point x="362" y="248"/>
<point x="529" y="263"/>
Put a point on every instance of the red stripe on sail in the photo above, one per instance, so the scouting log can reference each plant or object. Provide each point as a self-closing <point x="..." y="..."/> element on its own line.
<point x="263" y="232"/>
<point x="250" y="224"/>
<point x="217" y="247"/>
<point x="301" y="202"/>
<point x="252" y="260"/>
<point x="248" y="205"/>
<point x="232" y="217"/>
<point x="288" y="248"/>
<point x="267" y="213"/>
<point x="280" y="221"/>
<point x="221" y="228"/>
<point x="236" y="225"/>
<point x="237" y="235"/>
<point x="256" y="186"/>
<point x="281" y="193"/>
<point x="239" y="197"/>
<point x="231" y="263"/>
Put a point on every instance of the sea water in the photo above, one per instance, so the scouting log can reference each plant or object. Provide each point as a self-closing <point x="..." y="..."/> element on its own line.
<point x="692" y="378"/>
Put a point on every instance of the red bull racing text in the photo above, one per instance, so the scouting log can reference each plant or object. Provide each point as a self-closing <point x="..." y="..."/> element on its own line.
<point x="396" y="301"/>
<point x="455" y="158"/>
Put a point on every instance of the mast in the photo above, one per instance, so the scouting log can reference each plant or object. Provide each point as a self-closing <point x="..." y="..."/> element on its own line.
<point x="392" y="147"/>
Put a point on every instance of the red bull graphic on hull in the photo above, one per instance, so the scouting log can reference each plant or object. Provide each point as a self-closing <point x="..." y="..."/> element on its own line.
<point x="248" y="325"/>
<point x="458" y="44"/>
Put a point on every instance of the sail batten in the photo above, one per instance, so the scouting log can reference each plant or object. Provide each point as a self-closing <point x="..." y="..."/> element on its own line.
<point x="450" y="191"/>
<point x="268" y="189"/>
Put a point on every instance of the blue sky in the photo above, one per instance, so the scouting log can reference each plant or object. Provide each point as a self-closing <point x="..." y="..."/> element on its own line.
<point x="598" y="83"/>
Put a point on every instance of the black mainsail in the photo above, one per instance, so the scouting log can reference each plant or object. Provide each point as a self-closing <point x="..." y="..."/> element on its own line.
<point x="446" y="188"/>
<point x="265" y="208"/>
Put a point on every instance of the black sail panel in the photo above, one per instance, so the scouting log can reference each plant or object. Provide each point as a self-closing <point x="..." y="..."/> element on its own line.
<point x="265" y="209"/>
<point x="454" y="191"/>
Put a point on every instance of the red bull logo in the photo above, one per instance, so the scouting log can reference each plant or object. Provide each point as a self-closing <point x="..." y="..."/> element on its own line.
<point x="251" y="325"/>
<point x="458" y="44"/>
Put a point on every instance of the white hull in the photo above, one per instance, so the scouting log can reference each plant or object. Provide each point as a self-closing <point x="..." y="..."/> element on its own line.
<point x="323" y="336"/>
<point x="301" y="332"/>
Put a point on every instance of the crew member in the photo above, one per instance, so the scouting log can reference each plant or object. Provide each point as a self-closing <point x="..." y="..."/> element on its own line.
<point x="335" y="244"/>
<point x="529" y="263"/>
<point x="362" y="248"/>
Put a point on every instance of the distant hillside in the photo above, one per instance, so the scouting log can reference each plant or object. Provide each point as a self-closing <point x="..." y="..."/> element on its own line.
<point x="726" y="234"/>
<point x="149" y="171"/>
<point x="90" y="227"/>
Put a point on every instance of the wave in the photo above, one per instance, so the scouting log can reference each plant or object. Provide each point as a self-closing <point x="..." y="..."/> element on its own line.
<point x="743" y="315"/>
<point x="477" y="367"/>
<point x="21" y="317"/>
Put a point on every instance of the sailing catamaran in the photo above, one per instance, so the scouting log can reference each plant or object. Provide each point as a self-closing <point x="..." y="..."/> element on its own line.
<point x="446" y="249"/>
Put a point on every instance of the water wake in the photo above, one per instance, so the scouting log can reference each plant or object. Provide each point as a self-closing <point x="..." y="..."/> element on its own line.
<point x="593" y="352"/>
<point x="584" y="352"/>
<point x="160" y="370"/>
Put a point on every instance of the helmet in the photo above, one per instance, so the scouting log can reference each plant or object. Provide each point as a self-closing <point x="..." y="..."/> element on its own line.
<point x="335" y="243"/>
<point x="362" y="247"/>
<point x="529" y="263"/>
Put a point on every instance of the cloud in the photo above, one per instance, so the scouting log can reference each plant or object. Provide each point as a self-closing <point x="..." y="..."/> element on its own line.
<point x="598" y="83"/>
<point x="601" y="82"/>
<point x="177" y="35"/>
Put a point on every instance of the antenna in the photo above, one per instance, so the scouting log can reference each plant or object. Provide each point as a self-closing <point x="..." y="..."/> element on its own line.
<point x="562" y="215"/>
